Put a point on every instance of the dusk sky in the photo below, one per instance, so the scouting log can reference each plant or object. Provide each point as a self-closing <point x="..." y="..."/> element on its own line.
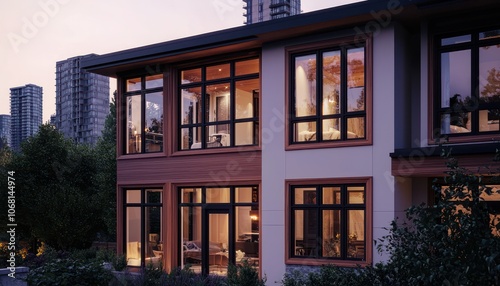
<point x="35" y="34"/>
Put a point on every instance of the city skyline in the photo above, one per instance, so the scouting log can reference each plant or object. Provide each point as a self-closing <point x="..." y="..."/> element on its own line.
<point x="35" y="35"/>
<point x="26" y="113"/>
<point x="82" y="101"/>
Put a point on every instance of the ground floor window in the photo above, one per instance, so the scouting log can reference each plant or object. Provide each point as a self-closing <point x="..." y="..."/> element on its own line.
<point x="218" y="226"/>
<point x="488" y="194"/>
<point x="143" y="234"/>
<point x="328" y="220"/>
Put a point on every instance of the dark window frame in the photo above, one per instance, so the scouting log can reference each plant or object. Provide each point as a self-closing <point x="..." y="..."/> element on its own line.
<point x="205" y="123"/>
<point x="231" y="205"/>
<point x="343" y="207"/>
<point x="142" y="92"/>
<point x="475" y="106"/>
<point x="318" y="48"/>
<point x="142" y="205"/>
<point x="292" y="258"/>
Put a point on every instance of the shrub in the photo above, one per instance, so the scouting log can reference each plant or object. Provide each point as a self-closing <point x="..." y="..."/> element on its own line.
<point x="295" y="278"/>
<point x="331" y="275"/>
<point x="243" y="275"/>
<point x="450" y="242"/>
<point x="119" y="262"/>
<point x="155" y="276"/>
<point x="69" y="272"/>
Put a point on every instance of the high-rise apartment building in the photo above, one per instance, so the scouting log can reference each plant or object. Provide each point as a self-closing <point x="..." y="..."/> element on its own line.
<point x="4" y="129"/>
<point x="26" y="113"/>
<point x="263" y="10"/>
<point x="82" y="101"/>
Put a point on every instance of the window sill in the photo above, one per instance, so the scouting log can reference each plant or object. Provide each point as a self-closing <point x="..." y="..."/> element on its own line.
<point x="216" y="151"/>
<point x="464" y="139"/>
<point x="320" y="262"/>
<point x="320" y="145"/>
<point x="141" y="156"/>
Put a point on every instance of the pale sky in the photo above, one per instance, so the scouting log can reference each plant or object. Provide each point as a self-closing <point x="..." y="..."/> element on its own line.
<point x="35" y="34"/>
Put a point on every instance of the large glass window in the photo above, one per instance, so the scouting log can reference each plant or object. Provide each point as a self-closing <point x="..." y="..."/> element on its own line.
<point x="144" y="114"/>
<point x="468" y="89"/>
<point x="219" y="105"/>
<point x="219" y="225"/>
<point x="143" y="233"/>
<point x="328" y="95"/>
<point x="328" y="221"/>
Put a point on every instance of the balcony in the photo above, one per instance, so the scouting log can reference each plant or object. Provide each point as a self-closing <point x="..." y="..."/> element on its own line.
<point x="279" y="3"/>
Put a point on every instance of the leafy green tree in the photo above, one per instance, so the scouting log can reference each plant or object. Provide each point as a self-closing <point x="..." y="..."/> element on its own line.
<point x="453" y="241"/>
<point x="450" y="242"/>
<point x="106" y="172"/>
<point x="57" y="202"/>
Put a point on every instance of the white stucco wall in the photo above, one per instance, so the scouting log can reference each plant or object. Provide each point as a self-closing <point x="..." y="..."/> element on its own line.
<point x="279" y="165"/>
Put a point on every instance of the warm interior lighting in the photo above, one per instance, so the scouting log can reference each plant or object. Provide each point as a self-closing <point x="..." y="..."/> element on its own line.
<point x="254" y="215"/>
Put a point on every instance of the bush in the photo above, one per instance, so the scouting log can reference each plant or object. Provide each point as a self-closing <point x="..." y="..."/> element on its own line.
<point x="119" y="262"/>
<point x="155" y="276"/>
<point x="69" y="272"/>
<point x="243" y="275"/>
<point x="450" y="242"/>
<point x="331" y="275"/>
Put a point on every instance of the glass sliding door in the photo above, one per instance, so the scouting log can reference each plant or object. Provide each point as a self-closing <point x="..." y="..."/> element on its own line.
<point x="217" y="242"/>
<point x="219" y="226"/>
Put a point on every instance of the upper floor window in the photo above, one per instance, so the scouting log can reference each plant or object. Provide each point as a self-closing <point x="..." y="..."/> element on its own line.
<point x="328" y="221"/>
<point x="144" y="114"/>
<point x="219" y="105"/>
<point x="330" y="98"/>
<point x="468" y="84"/>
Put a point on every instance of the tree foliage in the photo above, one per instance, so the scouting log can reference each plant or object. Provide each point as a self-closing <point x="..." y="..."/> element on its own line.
<point x="451" y="242"/>
<point x="57" y="199"/>
<point x="106" y="172"/>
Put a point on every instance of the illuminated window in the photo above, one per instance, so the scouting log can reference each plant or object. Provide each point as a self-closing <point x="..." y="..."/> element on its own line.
<point x="330" y="95"/>
<point x="467" y="88"/>
<point x="219" y="105"/>
<point x="143" y="227"/>
<point x="329" y="221"/>
<point x="144" y="114"/>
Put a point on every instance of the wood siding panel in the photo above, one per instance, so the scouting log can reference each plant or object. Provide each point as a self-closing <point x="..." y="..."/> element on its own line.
<point x="421" y="166"/>
<point x="221" y="169"/>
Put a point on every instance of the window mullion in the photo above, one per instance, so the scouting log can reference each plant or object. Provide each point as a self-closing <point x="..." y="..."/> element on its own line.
<point x="143" y="120"/>
<point x="475" y="81"/>
<point x="143" y="228"/>
<point x="203" y="107"/>
<point x="319" y="95"/>
<point x="343" y="93"/>
<point x="232" y="111"/>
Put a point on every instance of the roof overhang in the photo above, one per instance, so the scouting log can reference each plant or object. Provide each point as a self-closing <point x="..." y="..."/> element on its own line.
<point x="432" y="161"/>
<point x="240" y="38"/>
<point x="358" y="15"/>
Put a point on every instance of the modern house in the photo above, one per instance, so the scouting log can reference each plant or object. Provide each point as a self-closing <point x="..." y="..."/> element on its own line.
<point x="295" y="142"/>
<point x="82" y="101"/>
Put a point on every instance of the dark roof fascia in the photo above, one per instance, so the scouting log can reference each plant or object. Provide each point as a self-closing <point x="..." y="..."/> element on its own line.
<point x="434" y="151"/>
<point x="238" y="34"/>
